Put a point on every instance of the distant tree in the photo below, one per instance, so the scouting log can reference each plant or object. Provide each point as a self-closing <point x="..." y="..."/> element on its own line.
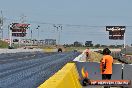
<point x="118" y="46"/>
<point x="77" y="44"/>
<point x="103" y="45"/>
<point x="66" y="45"/>
<point x="88" y="44"/>
<point x="97" y="45"/>
<point x="71" y="44"/>
<point x="112" y="46"/>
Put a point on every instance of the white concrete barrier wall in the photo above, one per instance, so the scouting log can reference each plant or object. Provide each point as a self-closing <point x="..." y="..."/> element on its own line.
<point x="18" y="50"/>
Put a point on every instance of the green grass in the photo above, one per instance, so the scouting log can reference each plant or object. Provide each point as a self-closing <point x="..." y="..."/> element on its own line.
<point x="3" y="44"/>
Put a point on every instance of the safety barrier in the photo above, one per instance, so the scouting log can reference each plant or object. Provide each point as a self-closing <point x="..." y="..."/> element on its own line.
<point x="67" y="77"/>
<point x="94" y="70"/>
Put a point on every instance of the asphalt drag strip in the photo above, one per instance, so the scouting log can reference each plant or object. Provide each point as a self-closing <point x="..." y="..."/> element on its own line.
<point x="13" y="57"/>
<point x="30" y="72"/>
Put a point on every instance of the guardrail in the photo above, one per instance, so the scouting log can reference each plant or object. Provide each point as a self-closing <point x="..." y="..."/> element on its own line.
<point x="67" y="77"/>
<point x="122" y="58"/>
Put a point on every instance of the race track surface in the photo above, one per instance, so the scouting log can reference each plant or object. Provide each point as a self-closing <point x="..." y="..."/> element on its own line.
<point x="29" y="70"/>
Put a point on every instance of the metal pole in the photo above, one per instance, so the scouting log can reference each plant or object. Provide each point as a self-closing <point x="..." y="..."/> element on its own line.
<point x="1" y="33"/>
<point x="57" y="32"/>
<point x="38" y="37"/>
<point x="122" y="71"/>
<point x="31" y="37"/>
<point x="19" y="42"/>
<point x="58" y="36"/>
<point x="124" y="40"/>
<point x="10" y="34"/>
<point x="38" y="33"/>
<point x="25" y="41"/>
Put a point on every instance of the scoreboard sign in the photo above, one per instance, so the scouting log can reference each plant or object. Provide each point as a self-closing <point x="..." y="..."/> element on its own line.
<point x="116" y="32"/>
<point x="19" y="29"/>
<point x="115" y="28"/>
<point x="19" y="34"/>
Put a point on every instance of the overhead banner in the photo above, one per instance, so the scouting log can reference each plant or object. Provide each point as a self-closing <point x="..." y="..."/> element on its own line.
<point x="116" y="32"/>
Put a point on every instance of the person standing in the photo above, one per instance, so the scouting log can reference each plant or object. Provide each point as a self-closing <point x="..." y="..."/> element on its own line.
<point x="106" y="65"/>
<point x="87" y="53"/>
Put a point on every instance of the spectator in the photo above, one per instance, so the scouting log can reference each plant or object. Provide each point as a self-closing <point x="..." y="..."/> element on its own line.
<point x="106" y="65"/>
<point x="87" y="53"/>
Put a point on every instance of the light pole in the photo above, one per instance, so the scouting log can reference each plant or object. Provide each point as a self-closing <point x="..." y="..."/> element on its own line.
<point x="58" y="28"/>
<point x="31" y="36"/>
<point x="38" y="34"/>
<point x="10" y="34"/>
<point x="124" y="40"/>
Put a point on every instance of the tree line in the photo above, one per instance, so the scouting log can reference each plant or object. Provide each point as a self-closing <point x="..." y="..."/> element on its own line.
<point x="90" y="44"/>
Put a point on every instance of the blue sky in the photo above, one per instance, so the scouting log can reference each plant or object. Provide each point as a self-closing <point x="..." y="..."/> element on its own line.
<point x="73" y="12"/>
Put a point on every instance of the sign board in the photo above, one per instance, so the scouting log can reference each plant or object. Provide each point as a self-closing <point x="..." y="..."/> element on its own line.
<point x="115" y="28"/>
<point x="116" y="32"/>
<point x="19" y="29"/>
<point x="116" y="37"/>
<point x="19" y="34"/>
